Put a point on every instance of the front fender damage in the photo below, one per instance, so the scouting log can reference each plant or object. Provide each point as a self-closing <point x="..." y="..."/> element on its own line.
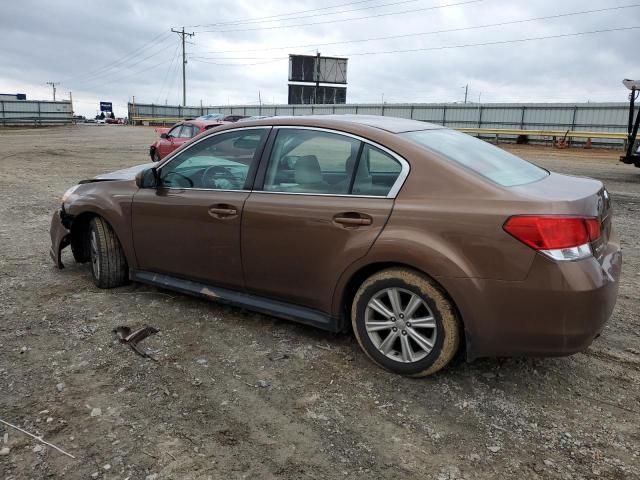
<point x="60" y="232"/>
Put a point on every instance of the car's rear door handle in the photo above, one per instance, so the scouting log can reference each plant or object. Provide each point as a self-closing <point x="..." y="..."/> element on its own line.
<point x="223" y="211"/>
<point x="352" y="219"/>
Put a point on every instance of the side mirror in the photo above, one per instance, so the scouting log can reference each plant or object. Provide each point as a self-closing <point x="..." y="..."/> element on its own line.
<point x="164" y="135"/>
<point x="147" y="178"/>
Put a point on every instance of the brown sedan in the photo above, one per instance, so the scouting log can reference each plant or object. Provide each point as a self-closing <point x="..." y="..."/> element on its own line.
<point x="424" y="240"/>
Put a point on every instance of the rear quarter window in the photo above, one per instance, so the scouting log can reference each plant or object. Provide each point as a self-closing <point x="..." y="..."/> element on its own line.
<point x="487" y="160"/>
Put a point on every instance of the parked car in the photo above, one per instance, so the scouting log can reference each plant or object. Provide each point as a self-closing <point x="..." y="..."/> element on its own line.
<point x="234" y="118"/>
<point x="211" y="116"/>
<point x="254" y="117"/>
<point x="171" y="138"/>
<point x="421" y="239"/>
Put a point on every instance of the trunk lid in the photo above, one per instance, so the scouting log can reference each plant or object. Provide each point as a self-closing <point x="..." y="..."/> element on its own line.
<point x="559" y="194"/>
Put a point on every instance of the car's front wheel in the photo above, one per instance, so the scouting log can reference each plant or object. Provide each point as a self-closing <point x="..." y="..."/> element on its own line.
<point x="404" y="323"/>
<point x="108" y="263"/>
<point x="155" y="156"/>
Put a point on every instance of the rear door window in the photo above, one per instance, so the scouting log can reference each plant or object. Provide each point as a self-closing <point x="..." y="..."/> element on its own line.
<point x="491" y="162"/>
<point x="311" y="161"/>
<point x="377" y="172"/>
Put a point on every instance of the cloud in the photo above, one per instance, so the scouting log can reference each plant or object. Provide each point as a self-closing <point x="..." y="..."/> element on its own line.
<point x="115" y="50"/>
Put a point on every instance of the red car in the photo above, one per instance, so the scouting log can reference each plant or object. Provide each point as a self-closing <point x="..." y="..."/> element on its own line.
<point x="172" y="138"/>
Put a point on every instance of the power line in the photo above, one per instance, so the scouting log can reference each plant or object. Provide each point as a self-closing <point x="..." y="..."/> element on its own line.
<point x="174" y="77"/>
<point x="449" y="47"/>
<point x="340" y="20"/>
<point x="174" y="57"/>
<point x="262" y="20"/>
<point x="273" y="60"/>
<point x="501" y="42"/>
<point x="266" y="60"/>
<point x="115" y="78"/>
<point x="252" y="19"/>
<point x="431" y="32"/>
<point x="99" y="77"/>
<point x="124" y="59"/>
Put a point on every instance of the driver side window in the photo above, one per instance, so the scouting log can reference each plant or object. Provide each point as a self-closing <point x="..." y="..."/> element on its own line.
<point x="187" y="131"/>
<point x="174" y="132"/>
<point x="219" y="162"/>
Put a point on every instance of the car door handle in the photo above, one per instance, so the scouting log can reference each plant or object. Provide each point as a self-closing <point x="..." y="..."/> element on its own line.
<point x="223" y="211"/>
<point x="352" y="219"/>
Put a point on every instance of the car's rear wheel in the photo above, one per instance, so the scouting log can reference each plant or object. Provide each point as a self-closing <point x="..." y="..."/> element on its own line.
<point x="108" y="263"/>
<point x="156" y="156"/>
<point x="404" y="323"/>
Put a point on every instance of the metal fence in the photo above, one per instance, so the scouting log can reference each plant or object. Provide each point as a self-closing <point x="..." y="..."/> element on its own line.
<point x="597" y="117"/>
<point x="35" y="113"/>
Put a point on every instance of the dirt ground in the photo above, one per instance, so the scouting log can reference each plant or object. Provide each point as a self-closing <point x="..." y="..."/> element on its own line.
<point x="240" y="395"/>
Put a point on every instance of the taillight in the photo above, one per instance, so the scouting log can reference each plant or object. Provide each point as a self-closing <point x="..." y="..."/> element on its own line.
<point x="593" y="227"/>
<point x="557" y="236"/>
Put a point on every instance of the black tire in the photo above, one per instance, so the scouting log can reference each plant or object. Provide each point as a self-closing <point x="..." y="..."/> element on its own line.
<point x="155" y="157"/>
<point x="445" y="334"/>
<point x="80" y="247"/>
<point x="108" y="263"/>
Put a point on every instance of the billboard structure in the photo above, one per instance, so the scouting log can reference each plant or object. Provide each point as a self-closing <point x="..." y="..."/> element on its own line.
<point x="308" y="94"/>
<point x="309" y="71"/>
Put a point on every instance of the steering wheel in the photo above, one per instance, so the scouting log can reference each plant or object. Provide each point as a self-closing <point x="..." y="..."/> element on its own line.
<point x="182" y="180"/>
<point x="219" y="177"/>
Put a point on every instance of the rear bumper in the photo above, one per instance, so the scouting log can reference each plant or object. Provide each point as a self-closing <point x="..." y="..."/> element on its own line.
<point x="559" y="309"/>
<point x="60" y="237"/>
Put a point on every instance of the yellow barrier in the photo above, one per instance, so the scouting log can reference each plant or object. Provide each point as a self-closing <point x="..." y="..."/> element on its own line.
<point x="545" y="133"/>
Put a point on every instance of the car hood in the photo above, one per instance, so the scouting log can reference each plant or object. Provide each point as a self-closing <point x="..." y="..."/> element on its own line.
<point x="124" y="174"/>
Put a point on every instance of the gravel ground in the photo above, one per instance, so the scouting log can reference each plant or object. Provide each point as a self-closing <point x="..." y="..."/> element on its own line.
<point x="240" y="395"/>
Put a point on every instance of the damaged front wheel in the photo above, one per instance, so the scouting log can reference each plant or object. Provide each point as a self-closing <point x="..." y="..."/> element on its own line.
<point x="108" y="263"/>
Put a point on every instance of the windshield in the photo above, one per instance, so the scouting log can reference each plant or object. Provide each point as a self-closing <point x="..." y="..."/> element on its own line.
<point x="483" y="158"/>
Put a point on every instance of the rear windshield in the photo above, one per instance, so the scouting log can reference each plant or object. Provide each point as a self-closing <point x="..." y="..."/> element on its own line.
<point x="483" y="158"/>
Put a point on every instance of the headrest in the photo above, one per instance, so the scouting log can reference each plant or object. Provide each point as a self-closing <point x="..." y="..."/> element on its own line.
<point x="351" y="163"/>
<point x="307" y="170"/>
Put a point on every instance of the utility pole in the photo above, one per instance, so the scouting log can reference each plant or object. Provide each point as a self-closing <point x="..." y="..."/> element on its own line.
<point x="315" y="93"/>
<point x="183" y="34"/>
<point x="53" y="86"/>
<point x="466" y="92"/>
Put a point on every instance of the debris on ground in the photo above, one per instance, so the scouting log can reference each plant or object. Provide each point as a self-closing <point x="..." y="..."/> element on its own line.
<point x="133" y="337"/>
<point x="32" y="436"/>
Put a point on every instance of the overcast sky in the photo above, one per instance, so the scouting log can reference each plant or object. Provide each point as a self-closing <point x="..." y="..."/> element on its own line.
<point x="114" y="50"/>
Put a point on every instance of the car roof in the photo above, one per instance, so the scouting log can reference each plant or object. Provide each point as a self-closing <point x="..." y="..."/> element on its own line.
<point x="388" y="124"/>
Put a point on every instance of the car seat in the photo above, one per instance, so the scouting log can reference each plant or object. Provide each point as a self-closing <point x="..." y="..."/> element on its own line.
<point x="308" y="176"/>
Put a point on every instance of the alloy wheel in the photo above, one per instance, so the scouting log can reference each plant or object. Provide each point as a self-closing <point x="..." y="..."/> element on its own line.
<point x="401" y="325"/>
